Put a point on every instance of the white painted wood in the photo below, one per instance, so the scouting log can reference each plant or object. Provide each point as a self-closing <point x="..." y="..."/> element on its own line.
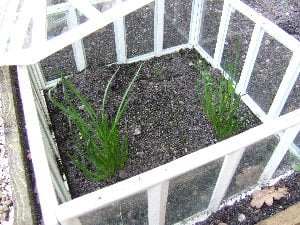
<point x="228" y="169"/>
<point x="85" y="7"/>
<point x="52" y="83"/>
<point x="159" y="18"/>
<point x="39" y="29"/>
<point x="286" y="85"/>
<point x="9" y="15"/>
<point x="39" y="97"/>
<point x="38" y="73"/>
<point x="78" y="47"/>
<point x="35" y="54"/>
<point x="157" y="202"/>
<point x="201" y="17"/>
<point x="63" y="7"/>
<point x="175" y="48"/>
<point x="256" y="109"/>
<point x="152" y="54"/>
<point x="278" y="154"/>
<point x="225" y="18"/>
<point x="276" y="32"/>
<point x="105" y="196"/>
<point x="19" y="30"/>
<point x="252" y="52"/>
<point x="75" y="221"/>
<point x="295" y="150"/>
<point x="120" y="37"/>
<point x="57" y="180"/>
<point x="141" y="57"/>
<point x="47" y="196"/>
<point x="3" y="7"/>
<point x="46" y="130"/>
<point x="203" y="53"/>
<point x="196" y="21"/>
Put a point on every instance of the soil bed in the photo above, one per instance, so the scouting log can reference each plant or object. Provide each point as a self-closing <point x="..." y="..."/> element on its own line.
<point x="164" y="117"/>
<point x="242" y="213"/>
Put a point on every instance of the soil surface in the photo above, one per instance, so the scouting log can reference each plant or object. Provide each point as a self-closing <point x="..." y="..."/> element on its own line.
<point x="164" y="117"/>
<point x="285" y="13"/>
<point x="242" y="213"/>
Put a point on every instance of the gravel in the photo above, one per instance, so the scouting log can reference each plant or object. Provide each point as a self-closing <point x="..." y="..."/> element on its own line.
<point x="242" y="213"/>
<point x="6" y="204"/>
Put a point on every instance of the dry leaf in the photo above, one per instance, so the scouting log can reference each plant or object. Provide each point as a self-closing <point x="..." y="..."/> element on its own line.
<point x="257" y="202"/>
<point x="267" y="196"/>
<point x="268" y="200"/>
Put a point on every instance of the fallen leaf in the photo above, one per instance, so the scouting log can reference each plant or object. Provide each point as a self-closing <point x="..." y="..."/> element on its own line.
<point x="267" y="196"/>
<point x="257" y="203"/>
<point x="268" y="199"/>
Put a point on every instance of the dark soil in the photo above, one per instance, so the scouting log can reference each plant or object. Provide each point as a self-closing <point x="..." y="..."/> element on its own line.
<point x="164" y="105"/>
<point x="164" y="118"/>
<point x="242" y="213"/>
<point x="285" y="13"/>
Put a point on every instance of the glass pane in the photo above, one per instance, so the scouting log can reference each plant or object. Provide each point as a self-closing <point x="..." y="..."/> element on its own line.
<point x="293" y="101"/>
<point x="191" y="192"/>
<point x="130" y="211"/>
<point x="270" y="66"/>
<point x="176" y="22"/>
<point x="251" y="166"/>
<point x="237" y="41"/>
<point x="100" y="48"/>
<point x="54" y="2"/>
<point x="140" y="31"/>
<point x="56" y="25"/>
<point x="61" y="61"/>
<point x="102" y="7"/>
<point x="297" y="142"/>
<point x="210" y="25"/>
<point x="286" y="164"/>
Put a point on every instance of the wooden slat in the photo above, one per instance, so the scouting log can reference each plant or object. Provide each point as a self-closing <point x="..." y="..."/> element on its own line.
<point x="124" y="189"/>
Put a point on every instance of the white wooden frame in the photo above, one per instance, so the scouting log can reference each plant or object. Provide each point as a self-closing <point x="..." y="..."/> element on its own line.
<point x="51" y="186"/>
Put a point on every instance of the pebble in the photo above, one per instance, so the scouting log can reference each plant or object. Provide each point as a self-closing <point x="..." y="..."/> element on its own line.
<point x="8" y="202"/>
<point x="267" y="42"/>
<point x="5" y="208"/>
<point x="241" y="217"/>
<point x="4" y="216"/>
<point x="123" y="174"/>
<point x="140" y="154"/>
<point x="137" y="131"/>
<point x="194" y="193"/>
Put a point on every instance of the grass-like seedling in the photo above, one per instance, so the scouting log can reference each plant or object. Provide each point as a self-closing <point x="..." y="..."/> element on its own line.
<point x="101" y="150"/>
<point x="220" y="102"/>
<point x="297" y="167"/>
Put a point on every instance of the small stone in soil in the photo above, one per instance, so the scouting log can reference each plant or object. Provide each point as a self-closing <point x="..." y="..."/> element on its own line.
<point x="137" y="131"/>
<point x="123" y="174"/>
<point x="241" y="217"/>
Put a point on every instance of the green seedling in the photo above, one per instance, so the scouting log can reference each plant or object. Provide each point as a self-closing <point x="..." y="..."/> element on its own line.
<point x="220" y="102"/>
<point x="101" y="151"/>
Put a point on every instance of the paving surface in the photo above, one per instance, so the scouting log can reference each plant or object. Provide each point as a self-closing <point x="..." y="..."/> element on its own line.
<point x="16" y="208"/>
